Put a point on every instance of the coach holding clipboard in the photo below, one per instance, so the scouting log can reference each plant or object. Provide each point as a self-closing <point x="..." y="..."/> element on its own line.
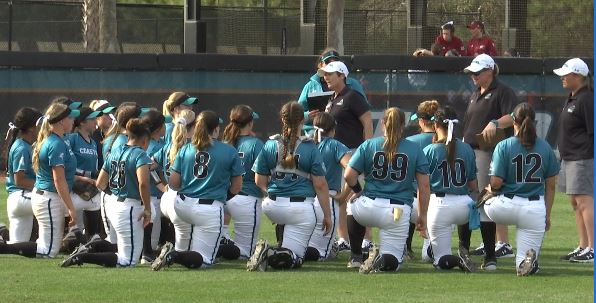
<point x="489" y="110"/>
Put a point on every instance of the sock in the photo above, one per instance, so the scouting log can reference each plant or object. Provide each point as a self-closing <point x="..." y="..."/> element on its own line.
<point x="167" y="233"/>
<point x="429" y="252"/>
<point x="25" y="249"/>
<point x="92" y="222"/>
<point x="356" y="234"/>
<point x="312" y="254"/>
<point x="464" y="233"/>
<point x="279" y="233"/>
<point x="105" y="259"/>
<point x="229" y="252"/>
<point x="448" y="262"/>
<point x="389" y="262"/>
<point x="114" y="247"/>
<point x="489" y="230"/>
<point x="147" y="249"/>
<point x="189" y="259"/>
<point x="34" y="231"/>
<point x="410" y="236"/>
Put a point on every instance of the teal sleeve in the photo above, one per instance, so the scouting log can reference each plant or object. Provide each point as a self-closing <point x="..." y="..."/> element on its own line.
<point x="498" y="168"/>
<point x="358" y="158"/>
<point x="340" y="151"/>
<point x="56" y="154"/>
<point x="316" y="168"/>
<point x="422" y="165"/>
<point x="21" y="160"/>
<point x="142" y="159"/>
<point x="263" y="163"/>
<point x="177" y="165"/>
<point x="430" y="157"/>
<point x="237" y="168"/>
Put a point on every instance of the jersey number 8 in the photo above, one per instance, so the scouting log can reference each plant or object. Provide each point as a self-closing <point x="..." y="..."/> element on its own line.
<point x="117" y="174"/>
<point x="201" y="168"/>
<point x="396" y="170"/>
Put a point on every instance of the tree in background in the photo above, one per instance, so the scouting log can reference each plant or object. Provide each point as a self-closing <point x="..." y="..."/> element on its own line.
<point x="100" y="31"/>
<point x="335" y="24"/>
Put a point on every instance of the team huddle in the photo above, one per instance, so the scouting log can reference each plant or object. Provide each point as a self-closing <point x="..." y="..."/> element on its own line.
<point x="117" y="186"/>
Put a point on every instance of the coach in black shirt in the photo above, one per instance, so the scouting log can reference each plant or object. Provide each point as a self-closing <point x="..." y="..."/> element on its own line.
<point x="489" y="108"/>
<point x="576" y="148"/>
<point x="350" y="110"/>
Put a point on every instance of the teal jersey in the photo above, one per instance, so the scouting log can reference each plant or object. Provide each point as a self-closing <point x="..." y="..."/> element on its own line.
<point x="152" y="149"/>
<point x="389" y="180"/>
<point x="167" y="137"/>
<point x="288" y="184"/>
<point x="446" y="179"/>
<point x="248" y="149"/>
<point x="523" y="171"/>
<point x="85" y="152"/>
<point x="121" y="139"/>
<point x="161" y="158"/>
<point x="19" y="159"/>
<point x="206" y="174"/>
<point x="121" y="166"/>
<point x="332" y="152"/>
<point x="423" y="140"/>
<point x="55" y="152"/>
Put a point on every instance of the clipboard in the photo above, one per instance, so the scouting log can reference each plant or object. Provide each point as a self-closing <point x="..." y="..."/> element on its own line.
<point x="318" y="100"/>
<point x="490" y="145"/>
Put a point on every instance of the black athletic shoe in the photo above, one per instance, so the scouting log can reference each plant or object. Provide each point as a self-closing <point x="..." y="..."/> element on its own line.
<point x="479" y="251"/>
<point x="587" y="256"/>
<point x="465" y="263"/>
<point x="573" y="253"/>
<point x="74" y="257"/>
<point x="355" y="261"/>
<point x="504" y="250"/>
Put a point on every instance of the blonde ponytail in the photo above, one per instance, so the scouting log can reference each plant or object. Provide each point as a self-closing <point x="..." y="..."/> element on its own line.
<point x="45" y="130"/>
<point x="206" y="123"/>
<point x="181" y="125"/>
<point x="393" y="120"/>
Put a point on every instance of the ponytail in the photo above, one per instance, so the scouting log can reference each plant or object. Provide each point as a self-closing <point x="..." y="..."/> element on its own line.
<point x="324" y="124"/>
<point x="523" y="115"/>
<point x="207" y="122"/>
<point x="240" y="117"/>
<point x="45" y="130"/>
<point x="180" y="132"/>
<point x="393" y="120"/>
<point x="291" y="114"/>
<point x="24" y="120"/>
<point x="445" y="119"/>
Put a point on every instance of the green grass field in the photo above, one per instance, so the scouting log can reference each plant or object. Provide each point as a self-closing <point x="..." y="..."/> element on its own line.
<point x="37" y="280"/>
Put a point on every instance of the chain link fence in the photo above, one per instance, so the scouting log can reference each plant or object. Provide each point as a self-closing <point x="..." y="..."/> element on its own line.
<point x="537" y="28"/>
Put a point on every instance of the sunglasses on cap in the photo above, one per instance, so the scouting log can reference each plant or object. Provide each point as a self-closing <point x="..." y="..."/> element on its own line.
<point x="330" y="56"/>
<point x="479" y="72"/>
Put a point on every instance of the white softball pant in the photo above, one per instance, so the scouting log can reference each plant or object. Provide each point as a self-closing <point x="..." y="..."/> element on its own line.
<point x="109" y="229"/>
<point x="124" y="219"/>
<point x="82" y="205"/>
<point x="246" y="214"/>
<point x="182" y="230"/>
<point x="442" y="213"/>
<point x="207" y="220"/>
<point x="318" y="240"/>
<point x="20" y="216"/>
<point x="299" y="219"/>
<point x="380" y="213"/>
<point x="48" y="209"/>
<point x="528" y="216"/>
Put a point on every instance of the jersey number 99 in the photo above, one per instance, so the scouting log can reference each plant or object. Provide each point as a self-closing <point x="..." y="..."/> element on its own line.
<point x="201" y="168"/>
<point x="117" y="174"/>
<point x="396" y="170"/>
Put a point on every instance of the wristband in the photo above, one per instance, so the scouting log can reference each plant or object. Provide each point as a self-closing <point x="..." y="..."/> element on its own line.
<point x="155" y="177"/>
<point x="495" y="122"/>
<point x="356" y="188"/>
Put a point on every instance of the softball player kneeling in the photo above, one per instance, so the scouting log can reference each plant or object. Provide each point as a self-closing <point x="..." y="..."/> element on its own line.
<point x="291" y="170"/>
<point x="389" y="164"/>
<point x="204" y="172"/>
<point x="523" y="173"/>
<point x="125" y="173"/>
<point x="245" y="207"/>
<point x="55" y="166"/>
<point x="335" y="158"/>
<point x="452" y="175"/>
<point x="183" y="131"/>
<point x="20" y="175"/>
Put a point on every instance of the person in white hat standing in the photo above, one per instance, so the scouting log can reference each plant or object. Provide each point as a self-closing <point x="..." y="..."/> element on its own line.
<point x="576" y="148"/>
<point x="489" y="109"/>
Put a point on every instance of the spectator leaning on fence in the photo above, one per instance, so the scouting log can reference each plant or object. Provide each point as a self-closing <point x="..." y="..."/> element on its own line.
<point x="480" y="43"/>
<point x="576" y="147"/>
<point x="448" y="41"/>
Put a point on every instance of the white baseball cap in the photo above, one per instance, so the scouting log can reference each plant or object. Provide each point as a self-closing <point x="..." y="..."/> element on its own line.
<point x="333" y="67"/>
<point x="482" y="61"/>
<point x="575" y="65"/>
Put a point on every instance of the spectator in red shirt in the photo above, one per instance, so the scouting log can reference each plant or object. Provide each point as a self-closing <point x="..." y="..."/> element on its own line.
<point x="448" y="41"/>
<point x="480" y="43"/>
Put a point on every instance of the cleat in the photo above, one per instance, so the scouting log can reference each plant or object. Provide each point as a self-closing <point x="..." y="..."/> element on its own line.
<point x="226" y="241"/>
<point x="529" y="265"/>
<point x="586" y="256"/>
<point x="426" y="254"/>
<point x="373" y="263"/>
<point x="465" y="263"/>
<point x="258" y="260"/>
<point x="342" y="245"/>
<point x="333" y="252"/>
<point x="479" y="251"/>
<point x="576" y="252"/>
<point x="355" y="261"/>
<point x="165" y="257"/>
<point x="74" y="257"/>
<point x="489" y="265"/>
<point x="147" y="259"/>
<point x="504" y="250"/>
